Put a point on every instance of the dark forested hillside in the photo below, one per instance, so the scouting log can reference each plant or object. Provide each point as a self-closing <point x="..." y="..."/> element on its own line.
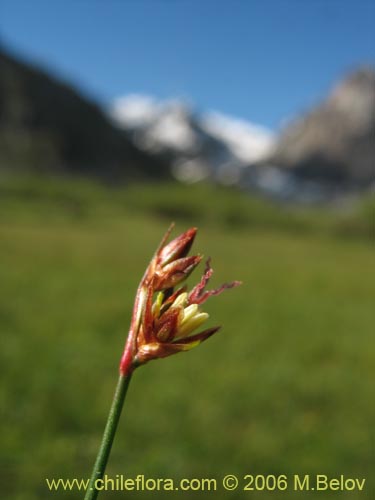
<point x="48" y="126"/>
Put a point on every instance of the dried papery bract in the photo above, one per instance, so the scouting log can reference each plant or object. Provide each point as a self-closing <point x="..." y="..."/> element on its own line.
<point x="165" y="316"/>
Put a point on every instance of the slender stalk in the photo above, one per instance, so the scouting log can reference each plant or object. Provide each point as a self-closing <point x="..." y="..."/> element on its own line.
<point x="108" y="436"/>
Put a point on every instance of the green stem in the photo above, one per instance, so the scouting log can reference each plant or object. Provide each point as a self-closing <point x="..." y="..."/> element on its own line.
<point x="108" y="436"/>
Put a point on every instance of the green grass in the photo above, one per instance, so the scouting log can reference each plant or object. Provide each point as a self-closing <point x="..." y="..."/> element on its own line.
<point x="224" y="208"/>
<point x="285" y="388"/>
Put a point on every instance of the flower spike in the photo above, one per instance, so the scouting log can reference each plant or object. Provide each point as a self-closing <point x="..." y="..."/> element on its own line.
<point x="164" y="319"/>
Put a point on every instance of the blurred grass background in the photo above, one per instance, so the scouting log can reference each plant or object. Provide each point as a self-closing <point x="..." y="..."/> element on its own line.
<point x="285" y="388"/>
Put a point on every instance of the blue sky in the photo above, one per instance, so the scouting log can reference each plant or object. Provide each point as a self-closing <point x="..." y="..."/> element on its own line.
<point x="263" y="61"/>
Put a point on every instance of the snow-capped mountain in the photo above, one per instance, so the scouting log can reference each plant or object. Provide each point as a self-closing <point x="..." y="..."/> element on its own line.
<point x="324" y="154"/>
<point x="248" y="142"/>
<point x="328" y="152"/>
<point x="197" y="146"/>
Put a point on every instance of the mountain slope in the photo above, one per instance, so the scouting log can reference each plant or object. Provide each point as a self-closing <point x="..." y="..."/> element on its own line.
<point x="47" y="126"/>
<point x="335" y="141"/>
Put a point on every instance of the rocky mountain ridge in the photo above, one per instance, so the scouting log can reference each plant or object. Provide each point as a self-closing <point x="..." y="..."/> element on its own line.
<point x="335" y="141"/>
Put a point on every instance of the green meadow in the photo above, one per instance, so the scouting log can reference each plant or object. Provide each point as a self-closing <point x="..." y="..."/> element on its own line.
<point x="286" y="387"/>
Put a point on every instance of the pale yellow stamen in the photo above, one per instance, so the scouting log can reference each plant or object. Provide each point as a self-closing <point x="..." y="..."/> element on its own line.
<point x="157" y="304"/>
<point x="192" y="323"/>
<point x="180" y="300"/>
<point x="189" y="312"/>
